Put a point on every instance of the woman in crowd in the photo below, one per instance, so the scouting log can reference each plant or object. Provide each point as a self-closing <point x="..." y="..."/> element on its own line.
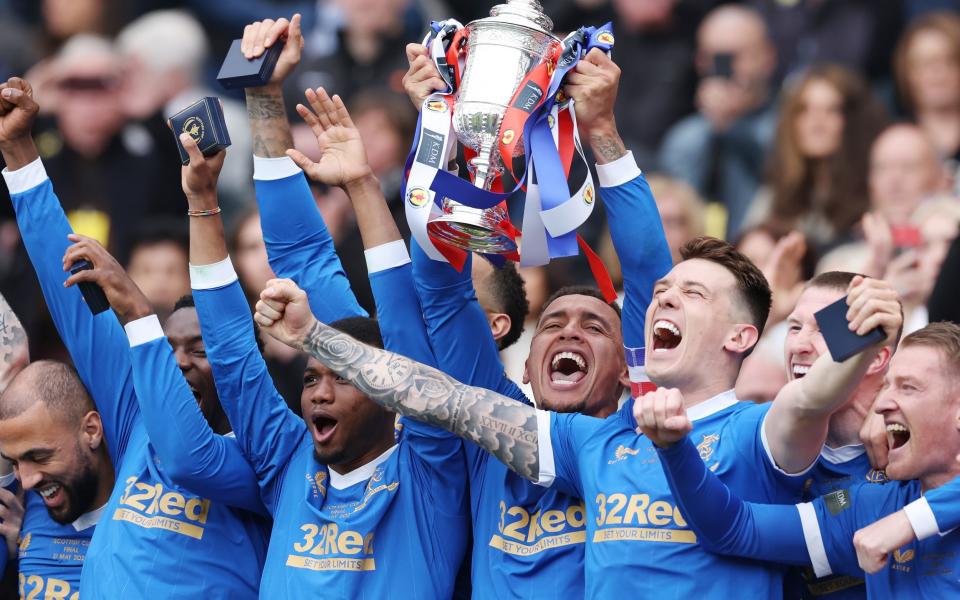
<point x="818" y="182"/>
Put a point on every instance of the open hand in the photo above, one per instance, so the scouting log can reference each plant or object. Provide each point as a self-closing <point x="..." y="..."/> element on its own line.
<point x="343" y="159"/>
<point x="260" y="35"/>
<point x="422" y="78"/>
<point x="284" y="313"/>
<point x="123" y="294"/>
<point x="662" y="417"/>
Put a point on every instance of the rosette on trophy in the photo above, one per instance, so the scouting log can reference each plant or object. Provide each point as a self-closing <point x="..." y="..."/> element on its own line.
<point x="502" y="102"/>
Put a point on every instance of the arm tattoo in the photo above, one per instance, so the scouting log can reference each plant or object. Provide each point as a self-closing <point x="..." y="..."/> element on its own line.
<point x="268" y="123"/>
<point x="504" y="427"/>
<point x="14" y="353"/>
<point x="609" y="147"/>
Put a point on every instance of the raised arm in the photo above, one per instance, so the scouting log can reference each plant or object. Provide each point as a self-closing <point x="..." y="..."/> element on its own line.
<point x="96" y="343"/>
<point x="193" y="454"/>
<point x="796" y="426"/>
<point x="299" y="247"/>
<point x="504" y="427"/>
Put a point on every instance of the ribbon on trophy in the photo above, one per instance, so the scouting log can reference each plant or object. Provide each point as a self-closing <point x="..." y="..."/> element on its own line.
<point x="556" y="180"/>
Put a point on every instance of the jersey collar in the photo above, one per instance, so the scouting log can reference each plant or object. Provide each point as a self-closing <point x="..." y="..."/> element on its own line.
<point x="88" y="520"/>
<point x="837" y="456"/>
<point x="363" y="473"/>
<point x="713" y="405"/>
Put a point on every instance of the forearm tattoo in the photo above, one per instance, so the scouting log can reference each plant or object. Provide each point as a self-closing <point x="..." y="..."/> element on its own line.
<point x="609" y="147"/>
<point x="13" y="343"/>
<point x="268" y="123"/>
<point x="504" y="427"/>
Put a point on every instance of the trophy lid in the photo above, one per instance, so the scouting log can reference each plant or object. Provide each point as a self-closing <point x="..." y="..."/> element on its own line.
<point x="528" y="13"/>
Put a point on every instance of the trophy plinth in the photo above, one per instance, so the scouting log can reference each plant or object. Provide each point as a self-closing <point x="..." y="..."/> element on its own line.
<point x="501" y="50"/>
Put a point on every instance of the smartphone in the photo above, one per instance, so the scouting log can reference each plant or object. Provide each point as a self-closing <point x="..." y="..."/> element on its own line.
<point x="92" y="293"/>
<point x="722" y="65"/>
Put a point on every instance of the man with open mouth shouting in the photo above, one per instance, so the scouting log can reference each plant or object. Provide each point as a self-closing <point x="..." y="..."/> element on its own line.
<point x="921" y="411"/>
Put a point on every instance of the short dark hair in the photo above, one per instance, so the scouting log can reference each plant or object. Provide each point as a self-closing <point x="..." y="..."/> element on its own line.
<point x="188" y="302"/>
<point x="581" y="290"/>
<point x="751" y="284"/>
<point x="362" y="329"/>
<point x="55" y="384"/>
<point x="508" y="292"/>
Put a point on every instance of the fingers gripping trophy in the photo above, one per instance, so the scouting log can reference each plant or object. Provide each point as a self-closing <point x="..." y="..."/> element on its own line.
<point x="503" y="75"/>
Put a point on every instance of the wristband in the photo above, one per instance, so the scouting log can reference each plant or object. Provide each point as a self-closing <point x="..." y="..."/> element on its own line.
<point x="204" y="213"/>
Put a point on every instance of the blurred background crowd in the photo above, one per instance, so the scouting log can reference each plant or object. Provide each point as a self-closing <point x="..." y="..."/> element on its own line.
<point x="815" y="134"/>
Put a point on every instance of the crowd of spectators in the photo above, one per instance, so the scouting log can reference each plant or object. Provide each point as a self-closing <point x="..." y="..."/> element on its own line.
<point x="816" y="134"/>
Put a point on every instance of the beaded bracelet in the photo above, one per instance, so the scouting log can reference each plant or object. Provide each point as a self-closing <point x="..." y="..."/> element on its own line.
<point x="204" y="213"/>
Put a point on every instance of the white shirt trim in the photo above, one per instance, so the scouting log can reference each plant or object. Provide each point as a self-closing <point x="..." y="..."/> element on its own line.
<point x="619" y="171"/>
<point x="269" y="169"/>
<point x="25" y="178"/>
<point x="712" y="406"/>
<point x="766" y="449"/>
<point x="548" y="468"/>
<point x="386" y="256"/>
<point x="216" y="275"/>
<point x="843" y="454"/>
<point x="143" y="330"/>
<point x="922" y="519"/>
<point x="88" y="520"/>
<point x="811" y="535"/>
<point x="362" y="473"/>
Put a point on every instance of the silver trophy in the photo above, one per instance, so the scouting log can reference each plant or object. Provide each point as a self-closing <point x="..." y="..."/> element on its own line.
<point x="501" y="49"/>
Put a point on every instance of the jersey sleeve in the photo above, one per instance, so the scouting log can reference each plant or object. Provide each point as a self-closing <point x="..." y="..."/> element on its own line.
<point x="299" y="247"/>
<point x="402" y="326"/>
<point x="772" y="484"/>
<point x="96" y="343"/>
<point x="267" y="431"/>
<point x="937" y="512"/>
<point x="829" y="523"/>
<point x="638" y="238"/>
<point x="724" y="523"/>
<point x="560" y="438"/>
<point x="192" y="454"/>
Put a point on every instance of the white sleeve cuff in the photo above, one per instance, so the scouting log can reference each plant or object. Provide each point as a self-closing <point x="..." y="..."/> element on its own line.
<point x="386" y="256"/>
<point x="143" y="330"/>
<point x="267" y="169"/>
<point x="548" y="469"/>
<point x="619" y="171"/>
<point x="25" y="178"/>
<point x="811" y="535"/>
<point x="208" y="277"/>
<point x="922" y="519"/>
<point x="766" y="449"/>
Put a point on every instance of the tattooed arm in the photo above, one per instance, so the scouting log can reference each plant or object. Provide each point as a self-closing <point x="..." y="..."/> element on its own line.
<point x="593" y="86"/>
<point x="504" y="427"/>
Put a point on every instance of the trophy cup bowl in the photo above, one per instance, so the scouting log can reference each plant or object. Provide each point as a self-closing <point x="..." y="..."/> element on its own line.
<point x="501" y="49"/>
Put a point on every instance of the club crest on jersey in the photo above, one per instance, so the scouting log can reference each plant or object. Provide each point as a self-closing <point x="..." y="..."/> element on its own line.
<point x="194" y="127"/>
<point x="588" y="195"/>
<point x="437" y="105"/>
<point x="418" y="196"/>
<point x="320" y="479"/>
<point x="877" y="476"/>
<point x="508" y="136"/>
<point x="622" y="453"/>
<point x="705" y="447"/>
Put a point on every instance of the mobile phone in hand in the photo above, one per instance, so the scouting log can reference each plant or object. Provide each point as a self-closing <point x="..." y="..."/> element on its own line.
<point x="92" y="293"/>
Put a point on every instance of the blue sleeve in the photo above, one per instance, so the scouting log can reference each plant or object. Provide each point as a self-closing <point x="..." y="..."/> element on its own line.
<point x="724" y="524"/>
<point x="830" y="522"/>
<point x="765" y="481"/>
<point x="638" y="238"/>
<point x="97" y="343"/>
<point x="944" y="502"/>
<point x="267" y="431"/>
<point x="458" y="328"/>
<point x="560" y="454"/>
<point x="300" y="248"/>
<point x="193" y="456"/>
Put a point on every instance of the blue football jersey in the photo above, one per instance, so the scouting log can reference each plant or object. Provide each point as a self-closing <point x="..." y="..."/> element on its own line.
<point x="638" y="540"/>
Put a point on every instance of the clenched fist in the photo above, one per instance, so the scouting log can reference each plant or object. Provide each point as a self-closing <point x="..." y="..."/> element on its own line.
<point x="662" y="417"/>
